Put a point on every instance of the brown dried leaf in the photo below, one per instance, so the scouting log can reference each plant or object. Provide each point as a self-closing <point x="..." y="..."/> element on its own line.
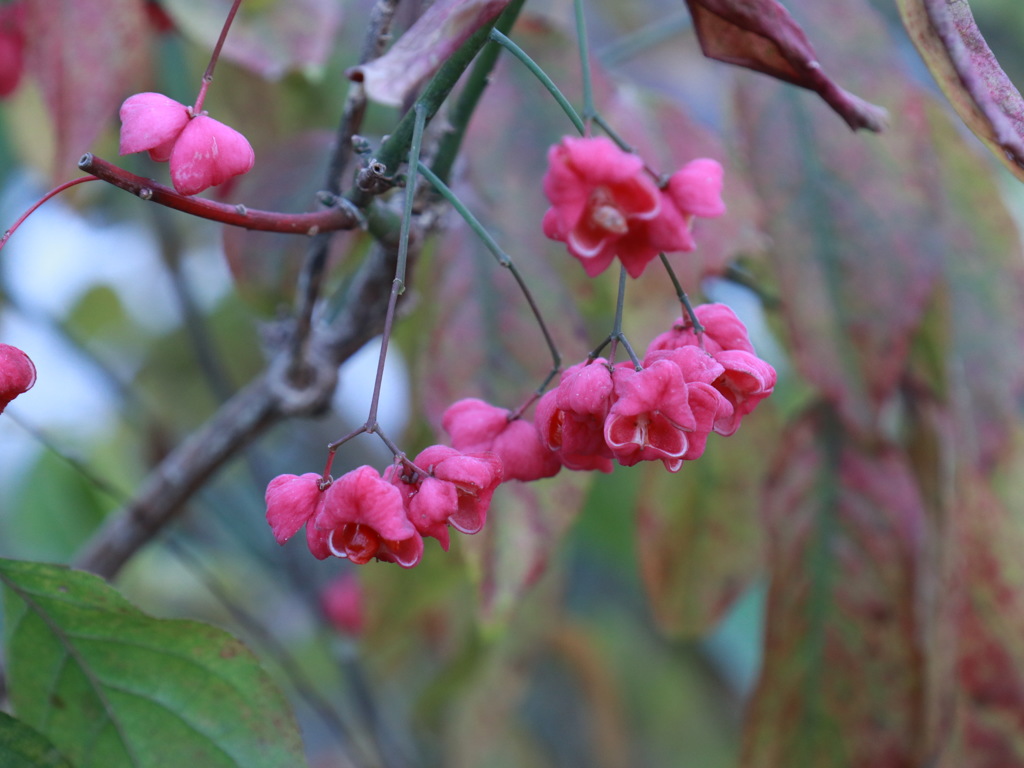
<point x="762" y="36"/>
<point x="425" y="46"/>
<point x="969" y="74"/>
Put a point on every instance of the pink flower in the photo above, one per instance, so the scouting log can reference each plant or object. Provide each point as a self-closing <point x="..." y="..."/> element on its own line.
<point x="208" y="153"/>
<point x="604" y="204"/>
<point x="456" y="490"/>
<point x="570" y="418"/>
<point x="600" y="196"/>
<point x="696" y="189"/>
<point x="650" y="417"/>
<point x="203" y="152"/>
<point x="17" y="374"/>
<point x="363" y="517"/>
<point x="744" y="379"/>
<point x="477" y="426"/>
<point x="342" y="603"/>
<point x="291" y="501"/>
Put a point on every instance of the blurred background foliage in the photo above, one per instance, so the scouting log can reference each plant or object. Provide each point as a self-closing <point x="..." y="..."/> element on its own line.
<point x="600" y="621"/>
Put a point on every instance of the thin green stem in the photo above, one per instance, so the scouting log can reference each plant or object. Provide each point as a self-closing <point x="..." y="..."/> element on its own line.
<point x="683" y="299"/>
<point x="542" y="76"/>
<point x="396" y="147"/>
<point x="398" y="285"/>
<point x="588" y="87"/>
<point x="208" y="74"/>
<point x="504" y="260"/>
<point x="469" y="97"/>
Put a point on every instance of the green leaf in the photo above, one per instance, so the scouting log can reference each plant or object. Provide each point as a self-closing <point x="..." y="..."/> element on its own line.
<point x="24" y="747"/>
<point x="113" y="687"/>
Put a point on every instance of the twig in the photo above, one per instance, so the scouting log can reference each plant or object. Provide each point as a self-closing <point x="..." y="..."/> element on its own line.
<point x="342" y="217"/>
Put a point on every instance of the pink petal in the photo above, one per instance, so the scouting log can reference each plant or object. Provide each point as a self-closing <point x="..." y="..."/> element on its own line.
<point x="208" y="153"/>
<point x="696" y="188"/>
<point x="150" y="121"/>
<point x="291" y="501"/>
<point x="17" y="374"/>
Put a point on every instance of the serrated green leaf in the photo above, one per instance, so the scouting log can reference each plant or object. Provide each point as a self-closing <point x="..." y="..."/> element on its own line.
<point x="113" y="687"/>
<point x="24" y="747"/>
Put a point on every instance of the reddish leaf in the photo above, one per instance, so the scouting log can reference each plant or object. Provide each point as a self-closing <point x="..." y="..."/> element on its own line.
<point x="86" y="55"/>
<point x="850" y="631"/>
<point x="424" y="47"/>
<point x="762" y="36"/>
<point x="856" y="249"/>
<point x="967" y="71"/>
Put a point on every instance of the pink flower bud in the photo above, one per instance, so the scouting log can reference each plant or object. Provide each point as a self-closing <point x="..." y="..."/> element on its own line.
<point x="17" y="374"/>
<point x="342" y="604"/>
<point x="477" y="426"/>
<point x="151" y="122"/>
<point x="208" y="153"/>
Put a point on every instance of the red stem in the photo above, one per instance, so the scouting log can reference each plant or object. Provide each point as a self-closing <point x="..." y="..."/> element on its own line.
<point x="52" y="193"/>
<point x="343" y="217"/>
<point x="208" y="75"/>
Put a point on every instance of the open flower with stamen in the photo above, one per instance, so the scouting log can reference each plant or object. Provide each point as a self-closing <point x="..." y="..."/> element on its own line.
<point x="600" y="197"/>
<point x="650" y="417"/>
<point x="605" y="204"/>
<point x="363" y="517"/>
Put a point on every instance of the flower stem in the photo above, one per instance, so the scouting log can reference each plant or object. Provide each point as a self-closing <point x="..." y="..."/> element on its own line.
<point x="343" y="216"/>
<point x="588" y="88"/>
<point x="542" y="76"/>
<point x="208" y="74"/>
<point x="505" y="261"/>
<point x="469" y="97"/>
<point x="398" y="285"/>
<point x="684" y="300"/>
<point x="52" y="193"/>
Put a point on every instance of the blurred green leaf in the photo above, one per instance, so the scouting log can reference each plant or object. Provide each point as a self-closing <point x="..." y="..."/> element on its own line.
<point x="24" y="747"/>
<point x="113" y="687"/>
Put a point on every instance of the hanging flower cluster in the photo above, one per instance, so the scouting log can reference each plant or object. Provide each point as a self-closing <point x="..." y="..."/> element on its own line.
<point x="662" y="407"/>
<point x="597" y="415"/>
<point x="605" y="204"/>
<point x="202" y="152"/>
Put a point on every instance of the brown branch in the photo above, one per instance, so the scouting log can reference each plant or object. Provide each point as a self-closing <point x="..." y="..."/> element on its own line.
<point x="268" y="400"/>
<point x="345" y="216"/>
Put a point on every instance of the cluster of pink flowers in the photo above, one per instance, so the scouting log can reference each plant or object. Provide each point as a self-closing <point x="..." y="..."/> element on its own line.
<point x="364" y="516"/>
<point x="17" y="374"/>
<point x="605" y="204"/>
<point x="663" y="408"/>
<point x="202" y="152"/>
<point x="687" y="388"/>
